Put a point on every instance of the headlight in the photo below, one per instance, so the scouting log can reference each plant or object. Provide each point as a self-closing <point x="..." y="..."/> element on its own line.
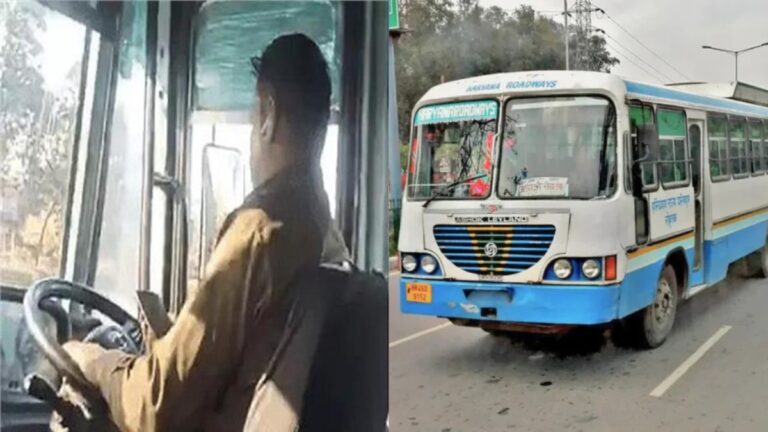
<point x="428" y="264"/>
<point x="590" y="268"/>
<point x="562" y="268"/>
<point x="409" y="263"/>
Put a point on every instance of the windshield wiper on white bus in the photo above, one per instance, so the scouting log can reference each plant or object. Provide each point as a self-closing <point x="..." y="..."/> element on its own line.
<point x="445" y="189"/>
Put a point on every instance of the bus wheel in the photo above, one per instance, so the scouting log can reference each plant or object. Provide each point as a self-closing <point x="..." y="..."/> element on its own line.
<point x="765" y="259"/>
<point x="757" y="263"/>
<point x="650" y="327"/>
<point x="495" y="333"/>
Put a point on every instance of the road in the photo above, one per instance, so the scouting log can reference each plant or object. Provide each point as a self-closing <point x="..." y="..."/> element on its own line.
<point x="712" y="374"/>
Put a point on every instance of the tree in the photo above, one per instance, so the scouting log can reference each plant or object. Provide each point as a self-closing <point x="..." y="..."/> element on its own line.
<point x="36" y="131"/>
<point x="452" y="40"/>
<point x="21" y="84"/>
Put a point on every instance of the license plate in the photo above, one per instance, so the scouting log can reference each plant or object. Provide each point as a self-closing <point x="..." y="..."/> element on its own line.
<point x="418" y="292"/>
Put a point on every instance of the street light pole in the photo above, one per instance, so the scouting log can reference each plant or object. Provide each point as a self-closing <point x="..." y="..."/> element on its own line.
<point x="735" y="55"/>
<point x="567" y="54"/>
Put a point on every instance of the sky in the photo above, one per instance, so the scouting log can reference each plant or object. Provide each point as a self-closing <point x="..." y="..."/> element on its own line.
<point x="675" y="31"/>
<point x="63" y="40"/>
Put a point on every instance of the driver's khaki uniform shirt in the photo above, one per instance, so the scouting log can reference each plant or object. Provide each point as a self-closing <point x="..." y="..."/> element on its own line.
<point x="242" y="345"/>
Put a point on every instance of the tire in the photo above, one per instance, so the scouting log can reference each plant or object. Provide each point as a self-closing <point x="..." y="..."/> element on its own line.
<point x="620" y="335"/>
<point x="495" y="333"/>
<point x="510" y="336"/>
<point x="764" y="271"/>
<point x="743" y="268"/>
<point x="650" y="327"/>
<point x="756" y="264"/>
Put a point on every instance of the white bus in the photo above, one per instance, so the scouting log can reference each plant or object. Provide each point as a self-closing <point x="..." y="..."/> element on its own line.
<point x="542" y="201"/>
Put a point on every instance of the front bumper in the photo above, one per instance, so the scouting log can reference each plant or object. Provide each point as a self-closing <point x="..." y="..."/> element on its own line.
<point x="520" y="303"/>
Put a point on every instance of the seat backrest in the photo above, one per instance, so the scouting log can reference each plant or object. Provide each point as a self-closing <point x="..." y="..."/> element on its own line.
<point x="347" y="385"/>
<point x="334" y="363"/>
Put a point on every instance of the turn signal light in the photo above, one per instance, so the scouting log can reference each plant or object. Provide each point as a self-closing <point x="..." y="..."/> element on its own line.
<point x="610" y="268"/>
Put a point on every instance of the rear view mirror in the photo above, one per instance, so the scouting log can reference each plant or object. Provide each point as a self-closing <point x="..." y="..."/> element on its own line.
<point x="648" y="143"/>
<point x="223" y="190"/>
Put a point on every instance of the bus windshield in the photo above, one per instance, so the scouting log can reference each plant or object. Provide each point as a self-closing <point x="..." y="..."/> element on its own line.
<point x="451" y="150"/>
<point x="558" y="147"/>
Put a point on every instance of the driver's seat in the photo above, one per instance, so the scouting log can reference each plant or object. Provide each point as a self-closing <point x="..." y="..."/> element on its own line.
<point x="345" y="338"/>
<point x="347" y="389"/>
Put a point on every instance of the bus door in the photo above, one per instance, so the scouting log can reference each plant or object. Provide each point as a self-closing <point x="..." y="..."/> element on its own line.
<point x="695" y="139"/>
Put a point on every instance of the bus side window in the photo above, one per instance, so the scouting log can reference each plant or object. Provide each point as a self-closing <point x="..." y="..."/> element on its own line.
<point x="640" y="116"/>
<point x="717" y="136"/>
<point x="754" y="152"/>
<point x="738" y="147"/>
<point x="673" y="156"/>
<point x="765" y="145"/>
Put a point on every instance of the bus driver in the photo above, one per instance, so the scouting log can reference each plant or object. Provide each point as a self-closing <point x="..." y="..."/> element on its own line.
<point x="210" y="372"/>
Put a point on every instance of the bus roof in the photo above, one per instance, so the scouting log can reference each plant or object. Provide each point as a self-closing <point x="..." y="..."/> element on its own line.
<point x="737" y="91"/>
<point x="694" y="100"/>
<point x="551" y="82"/>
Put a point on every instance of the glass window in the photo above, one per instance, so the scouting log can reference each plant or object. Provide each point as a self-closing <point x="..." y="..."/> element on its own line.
<point x="559" y="147"/>
<point x="41" y="64"/>
<point x="738" y="147"/>
<point x="117" y="271"/>
<point x="228" y="35"/>
<point x="756" y="147"/>
<point x="219" y="180"/>
<point x="717" y="131"/>
<point x="453" y="150"/>
<point x="672" y="158"/>
<point x="765" y="144"/>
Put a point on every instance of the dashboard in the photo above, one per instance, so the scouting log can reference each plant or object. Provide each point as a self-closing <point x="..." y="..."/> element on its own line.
<point x="19" y="356"/>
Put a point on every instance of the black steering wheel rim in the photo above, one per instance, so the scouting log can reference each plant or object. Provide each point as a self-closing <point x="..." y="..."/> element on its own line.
<point x="45" y="289"/>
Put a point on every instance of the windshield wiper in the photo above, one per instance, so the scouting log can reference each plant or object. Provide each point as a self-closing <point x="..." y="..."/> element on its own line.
<point x="445" y="189"/>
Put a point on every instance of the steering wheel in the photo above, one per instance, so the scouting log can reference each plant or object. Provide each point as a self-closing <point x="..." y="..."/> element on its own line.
<point x="37" y="303"/>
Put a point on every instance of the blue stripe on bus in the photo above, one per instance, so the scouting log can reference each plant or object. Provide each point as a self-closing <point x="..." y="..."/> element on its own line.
<point x="732" y="246"/>
<point x="586" y="304"/>
<point x="676" y="95"/>
<point x="638" y="287"/>
<point x="546" y="304"/>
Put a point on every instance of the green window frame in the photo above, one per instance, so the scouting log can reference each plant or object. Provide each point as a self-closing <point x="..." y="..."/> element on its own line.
<point x="673" y="154"/>
<point x="758" y="159"/>
<point x="765" y="144"/>
<point x="717" y="141"/>
<point x="737" y="147"/>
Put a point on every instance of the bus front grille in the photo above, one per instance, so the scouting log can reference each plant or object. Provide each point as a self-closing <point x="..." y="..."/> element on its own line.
<point x="494" y="250"/>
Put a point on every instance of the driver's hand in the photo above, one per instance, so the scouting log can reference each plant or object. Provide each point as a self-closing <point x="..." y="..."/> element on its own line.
<point x="69" y="414"/>
<point x="83" y="353"/>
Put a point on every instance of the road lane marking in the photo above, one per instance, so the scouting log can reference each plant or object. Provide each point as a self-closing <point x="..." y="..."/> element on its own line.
<point x="689" y="362"/>
<point x="419" y="334"/>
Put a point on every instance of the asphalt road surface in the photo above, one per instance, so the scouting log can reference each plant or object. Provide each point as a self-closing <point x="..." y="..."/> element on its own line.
<point x="710" y="375"/>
